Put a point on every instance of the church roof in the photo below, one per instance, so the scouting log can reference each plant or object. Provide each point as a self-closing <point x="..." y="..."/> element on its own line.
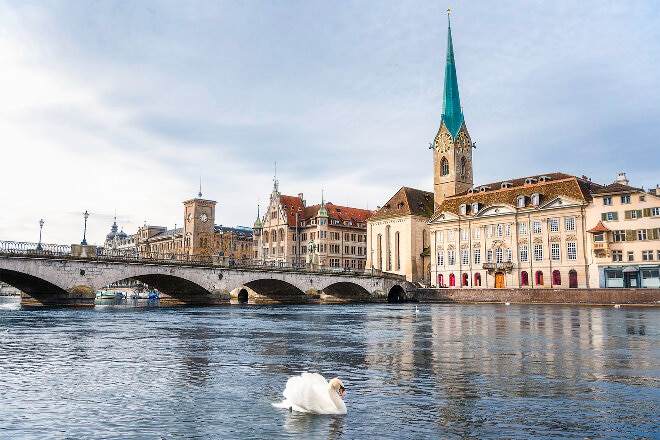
<point x="506" y="192"/>
<point x="452" y="114"/>
<point x="406" y="201"/>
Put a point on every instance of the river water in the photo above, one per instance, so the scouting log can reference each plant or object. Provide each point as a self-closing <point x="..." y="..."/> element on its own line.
<point x="444" y="371"/>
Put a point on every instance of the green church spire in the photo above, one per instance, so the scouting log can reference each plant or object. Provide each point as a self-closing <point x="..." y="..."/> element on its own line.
<point x="452" y="114"/>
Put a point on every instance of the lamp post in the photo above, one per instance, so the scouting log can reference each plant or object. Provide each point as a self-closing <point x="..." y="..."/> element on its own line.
<point x="84" y="242"/>
<point x="41" y="226"/>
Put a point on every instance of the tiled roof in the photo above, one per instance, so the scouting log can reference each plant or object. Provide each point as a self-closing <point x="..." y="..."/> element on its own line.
<point x="406" y="201"/>
<point x="616" y="188"/>
<point x="292" y="205"/>
<point x="600" y="227"/>
<point x="507" y="191"/>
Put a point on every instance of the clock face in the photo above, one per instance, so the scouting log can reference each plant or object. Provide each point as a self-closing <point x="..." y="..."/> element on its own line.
<point x="443" y="142"/>
<point x="204" y="218"/>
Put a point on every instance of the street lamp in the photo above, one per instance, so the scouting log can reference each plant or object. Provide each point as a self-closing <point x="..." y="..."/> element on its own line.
<point x="41" y="226"/>
<point x="84" y="242"/>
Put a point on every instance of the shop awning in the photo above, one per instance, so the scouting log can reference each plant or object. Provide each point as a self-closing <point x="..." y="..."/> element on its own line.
<point x="631" y="269"/>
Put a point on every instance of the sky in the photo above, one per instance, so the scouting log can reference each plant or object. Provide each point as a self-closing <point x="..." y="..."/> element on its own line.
<point x="122" y="108"/>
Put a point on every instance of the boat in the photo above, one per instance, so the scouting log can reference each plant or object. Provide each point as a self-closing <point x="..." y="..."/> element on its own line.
<point x="107" y="294"/>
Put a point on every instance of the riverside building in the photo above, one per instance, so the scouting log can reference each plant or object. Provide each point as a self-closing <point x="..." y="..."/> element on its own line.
<point x="293" y="233"/>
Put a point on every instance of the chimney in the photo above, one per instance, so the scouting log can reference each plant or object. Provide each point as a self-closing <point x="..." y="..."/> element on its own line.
<point x="622" y="179"/>
<point x="657" y="190"/>
<point x="304" y="203"/>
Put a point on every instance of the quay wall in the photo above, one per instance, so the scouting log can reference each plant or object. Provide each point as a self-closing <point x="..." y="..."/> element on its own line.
<point x="542" y="296"/>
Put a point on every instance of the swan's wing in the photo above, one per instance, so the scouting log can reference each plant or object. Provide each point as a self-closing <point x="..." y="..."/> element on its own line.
<point x="308" y="393"/>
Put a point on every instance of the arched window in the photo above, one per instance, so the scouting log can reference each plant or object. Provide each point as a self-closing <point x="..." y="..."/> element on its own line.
<point x="266" y="237"/>
<point x="379" y="251"/>
<point x="452" y="280"/>
<point x="281" y="234"/>
<point x="572" y="279"/>
<point x="441" y="280"/>
<point x="556" y="278"/>
<point x="463" y="167"/>
<point x="444" y="166"/>
<point x="397" y="254"/>
<point x="539" y="278"/>
<point x="477" y="279"/>
<point x="524" y="278"/>
<point x="273" y="236"/>
<point x="466" y="279"/>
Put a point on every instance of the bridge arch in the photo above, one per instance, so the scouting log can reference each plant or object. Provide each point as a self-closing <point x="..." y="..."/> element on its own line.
<point x="396" y="294"/>
<point x="344" y="292"/>
<point x="274" y="290"/>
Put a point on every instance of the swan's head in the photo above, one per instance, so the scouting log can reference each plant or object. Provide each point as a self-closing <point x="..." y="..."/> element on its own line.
<point x="338" y="386"/>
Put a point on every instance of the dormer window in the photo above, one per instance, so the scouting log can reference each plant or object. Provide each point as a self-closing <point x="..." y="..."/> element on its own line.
<point x="536" y="198"/>
<point x="520" y="201"/>
<point x="530" y="180"/>
<point x="506" y="185"/>
<point x="471" y="191"/>
<point x="475" y="207"/>
<point x="484" y="188"/>
<point x="463" y="209"/>
<point x="544" y="178"/>
<point x="400" y="205"/>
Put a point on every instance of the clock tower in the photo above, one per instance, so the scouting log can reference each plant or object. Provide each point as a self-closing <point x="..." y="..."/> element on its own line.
<point x="198" y="226"/>
<point x="452" y="146"/>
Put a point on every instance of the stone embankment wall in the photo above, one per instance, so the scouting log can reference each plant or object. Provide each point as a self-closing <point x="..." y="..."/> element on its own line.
<point x="543" y="296"/>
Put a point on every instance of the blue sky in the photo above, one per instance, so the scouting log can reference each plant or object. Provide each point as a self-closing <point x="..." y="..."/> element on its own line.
<point x="116" y="106"/>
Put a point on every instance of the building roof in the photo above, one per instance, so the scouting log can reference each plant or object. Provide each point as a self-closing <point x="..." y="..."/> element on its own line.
<point x="506" y="192"/>
<point x="616" y="188"/>
<point x="600" y="227"/>
<point x="293" y="205"/>
<point x="406" y="201"/>
<point x="452" y="114"/>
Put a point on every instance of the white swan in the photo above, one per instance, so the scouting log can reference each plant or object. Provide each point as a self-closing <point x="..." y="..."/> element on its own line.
<point x="310" y="393"/>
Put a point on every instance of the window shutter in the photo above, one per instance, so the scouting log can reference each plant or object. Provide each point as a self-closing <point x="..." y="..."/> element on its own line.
<point x="627" y="215"/>
<point x="639" y="213"/>
<point x="647" y="212"/>
<point x="631" y="235"/>
<point x="615" y="215"/>
<point x="603" y="216"/>
<point x="652" y="234"/>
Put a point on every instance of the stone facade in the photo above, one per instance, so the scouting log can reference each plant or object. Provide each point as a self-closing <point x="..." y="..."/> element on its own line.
<point x="293" y="233"/>
<point x="398" y="235"/>
<point x="624" y="236"/>
<point x="526" y="233"/>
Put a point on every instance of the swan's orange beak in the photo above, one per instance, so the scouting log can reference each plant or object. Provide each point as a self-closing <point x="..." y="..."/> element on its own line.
<point x="341" y="391"/>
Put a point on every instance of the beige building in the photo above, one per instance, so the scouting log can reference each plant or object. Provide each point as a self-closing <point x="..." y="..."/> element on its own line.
<point x="199" y="237"/>
<point x="528" y="232"/>
<point x="624" y="235"/>
<point x="398" y="235"/>
<point x="292" y="233"/>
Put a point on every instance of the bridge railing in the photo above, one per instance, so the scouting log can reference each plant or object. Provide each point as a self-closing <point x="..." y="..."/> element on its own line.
<point x="132" y="255"/>
<point x="24" y="248"/>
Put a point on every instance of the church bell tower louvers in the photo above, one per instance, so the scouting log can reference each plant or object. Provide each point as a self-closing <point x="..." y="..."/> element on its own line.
<point x="452" y="146"/>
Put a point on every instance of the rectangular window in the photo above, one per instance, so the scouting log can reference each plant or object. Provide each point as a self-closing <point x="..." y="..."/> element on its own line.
<point x="571" y="250"/>
<point x="522" y="228"/>
<point x="641" y="234"/>
<point x="439" y="236"/>
<point x="465" y="257"/>
<point x="507" y="229"/>
<point x="537" y="226"/>
<point x="609" y="216"/>
<point x="489" y="256"/>
<point x="570" y="223"/>
<point x="451" y="258"/>
<point x="631" y="256"/>
<point x="625" y="199"/>
<point x="655" y="212"/>
<point x="554" y="251"/>
<point x="450" y="235"/>
<point x="617" y="256"/>
<point x="619" y="236"/>
<point x="607" y="201"/>
<point x="476" y="232"/>
<point x="523" y="253"/>
<point x="498" y="230"/>
<point x="499" y="257"/>
<point x="632" y="214"/>
<point x="477" y="256"/>
<point x="538" y="252"/>
<point x="554" y="225"/>
<point x="465" y="234"/>
<point x="489" y="231"/>
<point x="647" y="255"/>
<point x="507" y="256"/>
<point x="441" y="258"/>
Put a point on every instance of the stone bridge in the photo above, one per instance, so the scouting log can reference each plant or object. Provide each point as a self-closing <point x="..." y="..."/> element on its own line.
<point x="74" y="280"/>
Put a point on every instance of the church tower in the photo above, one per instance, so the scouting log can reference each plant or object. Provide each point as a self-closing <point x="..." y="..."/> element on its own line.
<point x="452" y="147"/>
<point x="199" y="225"/>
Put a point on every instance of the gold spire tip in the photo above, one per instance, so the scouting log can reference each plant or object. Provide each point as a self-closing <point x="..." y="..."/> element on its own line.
<point x="448" y="11"/>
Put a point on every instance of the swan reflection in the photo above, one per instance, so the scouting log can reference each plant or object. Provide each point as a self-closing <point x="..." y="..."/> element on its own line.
<point x="309" y="424"/>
